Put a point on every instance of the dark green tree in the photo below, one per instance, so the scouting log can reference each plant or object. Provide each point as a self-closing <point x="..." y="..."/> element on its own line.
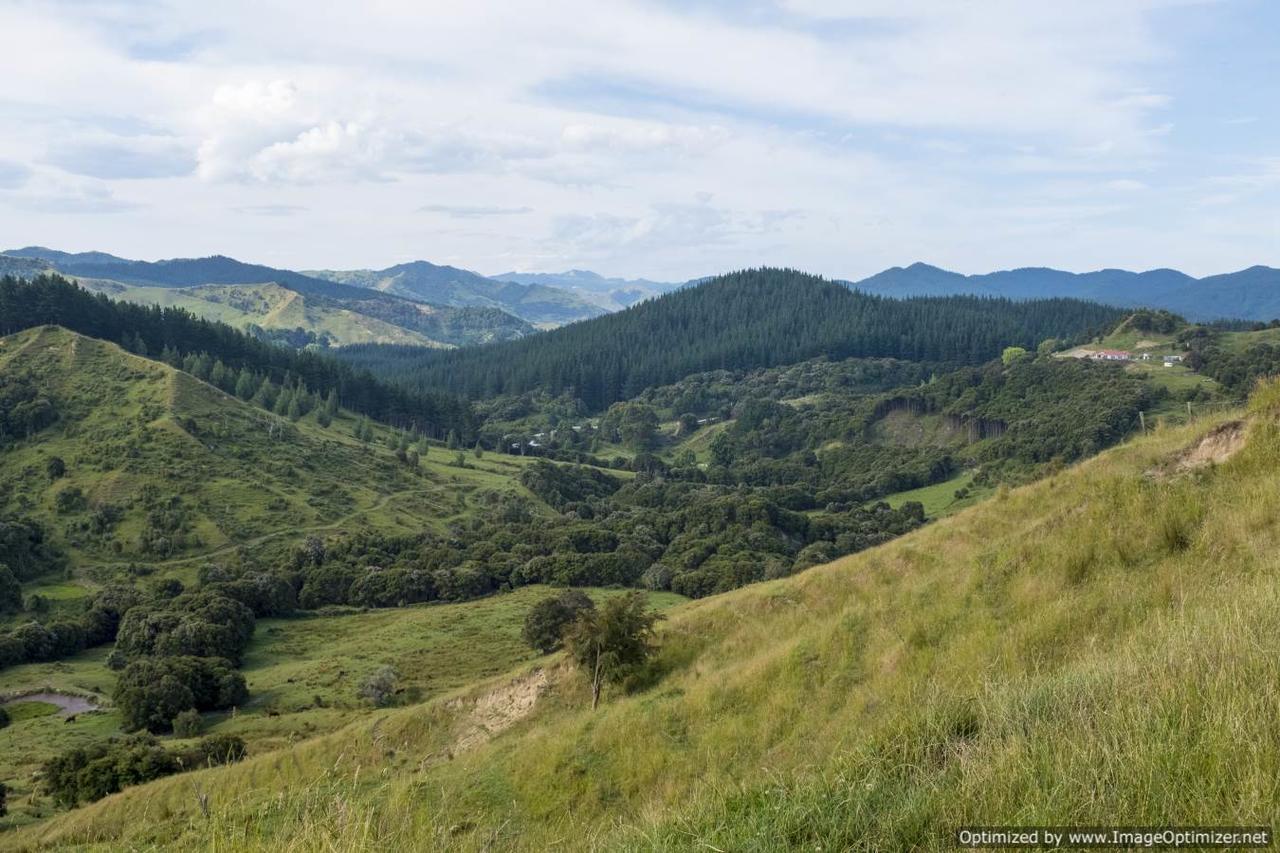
<point x="10" y="591"/>
<point x="546" y="621"/>
<point x="247" y="384"/>
<point x="610" y="642"/>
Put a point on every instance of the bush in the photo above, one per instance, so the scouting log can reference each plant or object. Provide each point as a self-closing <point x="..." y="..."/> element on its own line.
<point x="89" y="773"/>
<point x="85" y="774"/>
<point x="204" y="624"/>
<point x="151" y="692"/>
<point x="4" y="717"/>
<point x="36" y="641"/>
<point x="11" y="651"/>
<point x="213" y="751"/>
<point x="546" y="621"/>
<point x="187" y="723"/>
<point x="381" y="686"/>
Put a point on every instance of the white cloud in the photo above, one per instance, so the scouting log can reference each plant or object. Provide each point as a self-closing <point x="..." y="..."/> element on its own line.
<point x="13" y="175"/>
<point x="473" y="211"/>
<point x="961" y="131"/>
<point x="46" y="192"/>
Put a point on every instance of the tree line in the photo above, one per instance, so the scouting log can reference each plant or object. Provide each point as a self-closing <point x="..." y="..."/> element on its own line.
<point x="754" y="318"/>
<point x="152" y="331"/>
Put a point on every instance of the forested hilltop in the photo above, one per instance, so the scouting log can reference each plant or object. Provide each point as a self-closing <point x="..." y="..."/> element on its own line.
<point x="172" y="334"/>
<point x="755" y="318"/>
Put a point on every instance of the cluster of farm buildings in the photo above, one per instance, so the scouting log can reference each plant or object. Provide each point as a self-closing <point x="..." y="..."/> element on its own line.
<point x="1125" y="355"/>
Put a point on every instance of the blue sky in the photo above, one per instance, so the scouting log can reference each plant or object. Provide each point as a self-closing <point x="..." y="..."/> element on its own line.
<point x="659" y="139"/>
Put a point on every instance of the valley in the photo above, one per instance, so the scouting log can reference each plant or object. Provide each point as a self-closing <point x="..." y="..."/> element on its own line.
<point x="337" y="561"/>
<point x="487" y="428"/>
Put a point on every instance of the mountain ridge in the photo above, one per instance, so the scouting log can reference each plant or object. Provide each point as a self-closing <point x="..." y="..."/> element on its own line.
<point x="448" y="285"/>
<point x="611" y="293"/>
<point x="1252" y="293"/>
<point x="336" y="312"/>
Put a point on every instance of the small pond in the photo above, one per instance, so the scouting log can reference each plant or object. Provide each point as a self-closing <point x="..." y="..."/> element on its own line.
<point x="67" y="703"/>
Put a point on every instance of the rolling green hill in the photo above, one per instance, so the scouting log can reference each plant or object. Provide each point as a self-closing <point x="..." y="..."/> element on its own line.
<point x="289" y="306"/>
<point x="162" y="468"/>
<point x="1094" y="645"/>
<point x="324" y="319"/>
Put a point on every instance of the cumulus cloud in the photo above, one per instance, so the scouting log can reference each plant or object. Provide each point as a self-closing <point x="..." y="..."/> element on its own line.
<point x="965" y="132"/>
<point x="282" y="132"/>
<point x="672" y="225"/>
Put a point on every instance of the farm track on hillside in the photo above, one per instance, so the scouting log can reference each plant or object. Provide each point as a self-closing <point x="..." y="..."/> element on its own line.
<point x="267" y="537"/>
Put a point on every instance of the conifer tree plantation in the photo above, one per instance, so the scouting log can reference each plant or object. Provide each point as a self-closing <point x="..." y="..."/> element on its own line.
<point x="639" y="426"/>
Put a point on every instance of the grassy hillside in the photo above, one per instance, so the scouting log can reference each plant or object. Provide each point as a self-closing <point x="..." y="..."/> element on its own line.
<point x="268" y="306"/>
<point x="164" y="469"/>
<point x="545" y="306"/>
<point x="304" y="674"/>
<point x="1094" y="647"/>
<point x="362" y="319"/>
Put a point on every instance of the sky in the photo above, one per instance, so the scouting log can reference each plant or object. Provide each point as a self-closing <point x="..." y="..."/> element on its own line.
<point x="665" y="139"/>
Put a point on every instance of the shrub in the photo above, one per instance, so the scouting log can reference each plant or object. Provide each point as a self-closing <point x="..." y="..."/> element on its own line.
<point x="151" y="692"/>
<point x="214" y="750"/>
<point x="380" y="687"/>
<point x="85" y="774"/>
<point x="187" y="723"/>
<point x="70" y="499"/>
<point x="546" y="621"/>
<point x="204" y="624"/>
<point x="37" y="643"/>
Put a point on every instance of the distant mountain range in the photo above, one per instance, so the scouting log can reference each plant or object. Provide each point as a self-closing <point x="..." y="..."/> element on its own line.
<point x="276" y="303"/>
<point x="536" y="302"/>
<point x="438" y="305"/>
<point x="1250" y="294"/>
<point x="540" y="300"/>
<point x="612" y="294"/>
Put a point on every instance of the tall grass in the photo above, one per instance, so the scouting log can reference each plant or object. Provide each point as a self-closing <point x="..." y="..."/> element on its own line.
<point x="1100" y="647"/>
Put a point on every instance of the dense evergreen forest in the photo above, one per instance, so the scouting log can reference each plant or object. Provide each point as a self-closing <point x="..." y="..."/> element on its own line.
<point x="153" y="331"/>
<point x="1237" y="368"/>
<point x="756" y="318"/>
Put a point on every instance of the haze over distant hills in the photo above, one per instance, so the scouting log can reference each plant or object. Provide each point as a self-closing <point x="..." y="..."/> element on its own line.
<point x="1250" y="294"/>
<point x="423" y="281"/>
<point x="273" y="301"/>
<point x="423" y="303"/>
<point x="613" y="294"/>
